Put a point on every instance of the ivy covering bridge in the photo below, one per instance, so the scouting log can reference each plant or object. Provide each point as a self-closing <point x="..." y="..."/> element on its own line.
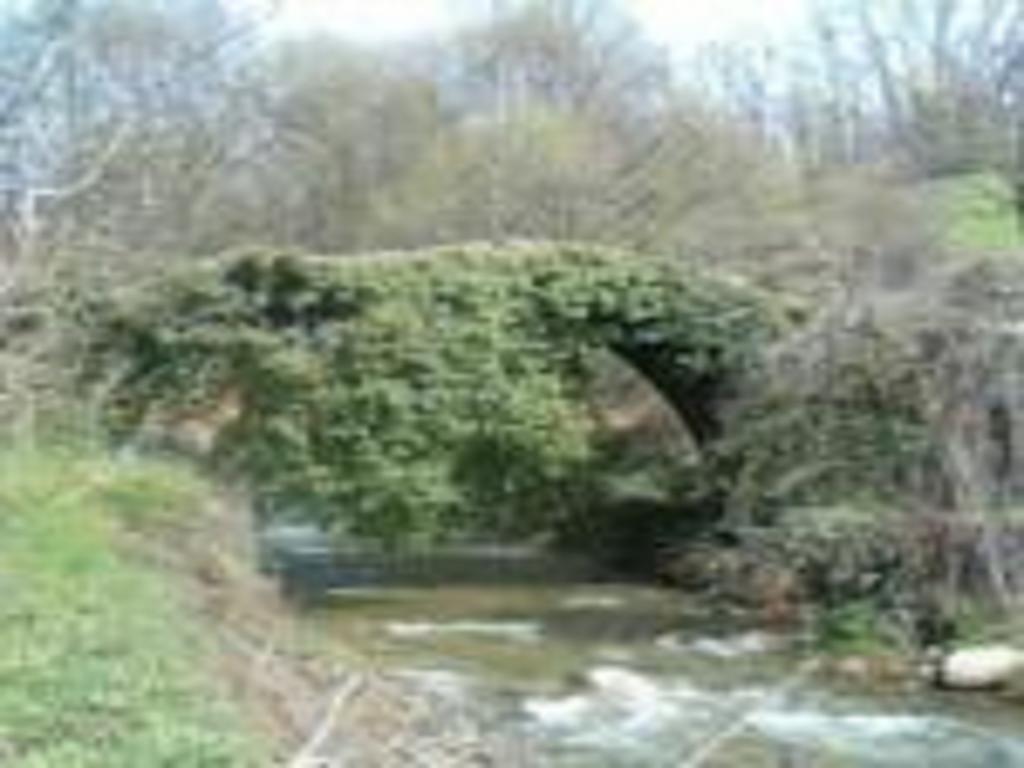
<point x="417" y="396"/>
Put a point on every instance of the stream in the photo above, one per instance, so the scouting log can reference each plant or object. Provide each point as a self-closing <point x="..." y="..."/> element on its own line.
<point x="632" y="677"/>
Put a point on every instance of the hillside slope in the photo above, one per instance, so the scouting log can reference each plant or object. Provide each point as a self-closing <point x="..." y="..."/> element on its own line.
<point x="101" y="665"/>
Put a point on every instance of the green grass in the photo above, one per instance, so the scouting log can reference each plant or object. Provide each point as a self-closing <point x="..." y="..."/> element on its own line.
<point x="100" y="664"/>
<point x="979" y="213"/>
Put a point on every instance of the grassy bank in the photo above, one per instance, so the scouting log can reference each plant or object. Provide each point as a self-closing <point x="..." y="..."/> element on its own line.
<point x="101" y="664"/>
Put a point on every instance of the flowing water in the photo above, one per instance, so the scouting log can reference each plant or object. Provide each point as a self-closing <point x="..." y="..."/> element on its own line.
<point x="629" y="677"/>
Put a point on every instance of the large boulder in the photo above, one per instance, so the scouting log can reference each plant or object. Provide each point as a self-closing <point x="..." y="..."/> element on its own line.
<point x="978" y="668"/>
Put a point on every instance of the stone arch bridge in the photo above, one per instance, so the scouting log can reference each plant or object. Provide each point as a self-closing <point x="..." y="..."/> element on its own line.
<point x="411" y="389"/>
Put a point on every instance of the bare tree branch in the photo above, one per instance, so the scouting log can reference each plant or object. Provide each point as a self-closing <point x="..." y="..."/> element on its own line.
<point x="33" y="84"/>
<point x="94" y="173"/>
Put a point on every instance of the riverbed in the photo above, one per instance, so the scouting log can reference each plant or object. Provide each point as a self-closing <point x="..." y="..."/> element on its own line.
<point x="605" y="676"/>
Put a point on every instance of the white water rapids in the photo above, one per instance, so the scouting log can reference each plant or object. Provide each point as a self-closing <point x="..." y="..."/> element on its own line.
<point x="622" y="677"/>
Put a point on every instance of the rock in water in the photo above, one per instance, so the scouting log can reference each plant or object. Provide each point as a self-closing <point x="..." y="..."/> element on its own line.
<point x="979" y="668"/>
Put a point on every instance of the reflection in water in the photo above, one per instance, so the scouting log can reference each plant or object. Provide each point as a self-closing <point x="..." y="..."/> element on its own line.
<point x="628" y="677"/>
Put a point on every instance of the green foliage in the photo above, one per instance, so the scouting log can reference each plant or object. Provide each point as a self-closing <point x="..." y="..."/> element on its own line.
<point x="153" y="494"/>
<point x="412" y="397"/>
<point x="98" y="667"/>
<point x="854" y="627"/>
<point x="980" y="213"/>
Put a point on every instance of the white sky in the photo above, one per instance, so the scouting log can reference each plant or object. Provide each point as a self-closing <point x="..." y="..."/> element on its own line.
<point x="677" y="23"/>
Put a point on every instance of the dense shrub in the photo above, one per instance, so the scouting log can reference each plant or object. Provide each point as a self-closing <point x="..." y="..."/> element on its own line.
<point x="880" y="574"/>
<point x="906" y="401"/>
<point x="908" y="397"/>
<point x="829" y="426"/>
